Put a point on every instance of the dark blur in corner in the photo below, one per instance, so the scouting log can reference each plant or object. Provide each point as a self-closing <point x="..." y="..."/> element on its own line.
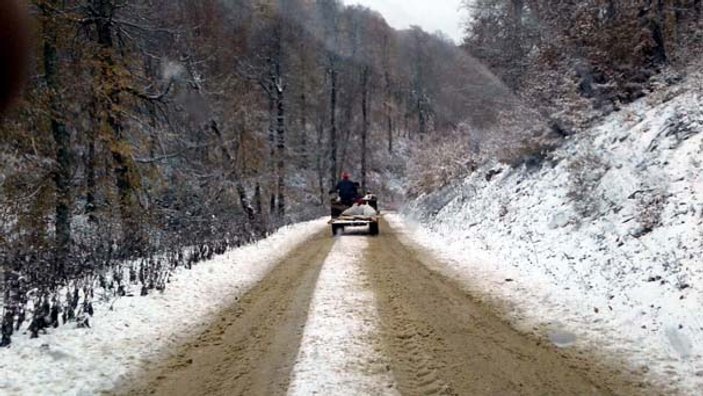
<point x="14" y="50"/>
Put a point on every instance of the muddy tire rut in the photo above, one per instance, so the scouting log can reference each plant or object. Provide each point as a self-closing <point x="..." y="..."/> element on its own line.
<point x="251" y="347"/>
<point x="441" y="341"/>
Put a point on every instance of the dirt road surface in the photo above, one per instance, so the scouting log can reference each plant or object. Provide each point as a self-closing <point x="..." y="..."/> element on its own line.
<point x="437" y="338"/>
<point x="250" y="348"/>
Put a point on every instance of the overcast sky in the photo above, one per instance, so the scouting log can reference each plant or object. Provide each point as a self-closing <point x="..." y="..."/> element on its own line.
<point x="431" y="15"/>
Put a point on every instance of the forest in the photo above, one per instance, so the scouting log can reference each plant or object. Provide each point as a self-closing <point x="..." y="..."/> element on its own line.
<point x="153" y="135"/>
<point x="572" y="57"/>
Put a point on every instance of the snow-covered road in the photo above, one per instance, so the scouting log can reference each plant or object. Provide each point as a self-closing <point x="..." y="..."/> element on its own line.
<point x="305" y="313"/>
<point x="340" y="353"/>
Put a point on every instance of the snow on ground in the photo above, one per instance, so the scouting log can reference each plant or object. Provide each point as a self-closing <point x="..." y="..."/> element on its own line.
<point x="339" y="354"/>
<point x="601" y="246"/>
<point x="70" y="361"/>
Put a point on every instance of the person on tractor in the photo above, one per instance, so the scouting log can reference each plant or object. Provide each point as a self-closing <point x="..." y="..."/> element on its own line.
<point x="347" y="190"/>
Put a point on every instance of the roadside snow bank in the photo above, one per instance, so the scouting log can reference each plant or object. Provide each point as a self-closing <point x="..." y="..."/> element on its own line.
<point x="603" y="242"/>
<point x="339" y="353"/>
<point x="71" y="361"/>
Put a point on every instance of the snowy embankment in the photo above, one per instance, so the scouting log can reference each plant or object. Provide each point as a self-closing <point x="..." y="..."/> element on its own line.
<point x="339" y="353"/>
<point x="600" y="247"/>
<point x="72" y="361"/>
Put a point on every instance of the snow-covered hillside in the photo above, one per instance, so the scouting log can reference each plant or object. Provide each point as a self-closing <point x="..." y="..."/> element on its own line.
<point x="600" y="244"/>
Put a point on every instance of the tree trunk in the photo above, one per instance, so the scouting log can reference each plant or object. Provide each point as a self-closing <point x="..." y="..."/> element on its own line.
<point x="345" y="136"/>
<point x="281" y="148"/>
<point x="62" y="139"/>
<point x="389" y="91"/>
<point x="333" y="128"/>
<point x="304" y="154"/>
<point x="91" y="178"/>
<point x="389" y="114"/>
<point x="389" y="120"/>
<point x="518" y="10"/>
<point x="90" y="160"/>
<point x="652" y="17"/>
<point x="104" y="12"/>
<point x="678" y="21"/>
<point x="230" y="161"/>
<point x="364" y="125"/>
<point x="318" y="160"/>
<point x="272" y="152"/>
<point x="244" y="202"/>
<point x="421" y="120"/>
<point x="660" y="33"/>
<point x="257" y="199"/>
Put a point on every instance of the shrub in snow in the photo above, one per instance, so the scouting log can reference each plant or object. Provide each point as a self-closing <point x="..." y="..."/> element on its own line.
<point x="585" y="173"/>
<point x="650" y="206"/>
<point x="48" y="298"/>
<point x="437" y="162"/>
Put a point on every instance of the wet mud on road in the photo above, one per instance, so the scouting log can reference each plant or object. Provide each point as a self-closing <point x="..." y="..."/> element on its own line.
<point x="442" y="341"/>
<point x="436" y="337"/>
<point x="251" y="347"/>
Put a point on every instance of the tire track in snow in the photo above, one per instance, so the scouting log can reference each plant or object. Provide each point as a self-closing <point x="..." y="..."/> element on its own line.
<point x="250" y="347"/>
<point x="443" y="341"/>
<point x="340" y="353"/>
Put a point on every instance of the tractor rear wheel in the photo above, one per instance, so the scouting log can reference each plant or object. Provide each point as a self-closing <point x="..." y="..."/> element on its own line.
<point x="337" y="229"/>
<point x="373" y="229"/>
